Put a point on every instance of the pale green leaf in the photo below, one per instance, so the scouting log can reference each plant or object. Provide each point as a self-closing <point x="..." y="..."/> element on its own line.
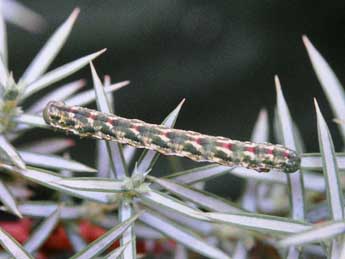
<point x="313" y="161"/>
<point x="200" y="226"/>
<point x="42" y="209"/>
<point x="42" y="232"/>
<point x="49" y="180"/>
<point x="284" y="118"/>
<point x="166" y="201"/>
<point x="329" y="82"/>
<point x="50" y="50"/>
<point x="23" y="17"/>
<point x="12" y="246"/>
<point x="103" y="242"/>
<point x="59" y="73"/>
<point x="203" y="199"/>
<point x="261" y="128"/>
<point x="54" y="162"/>
<point x="129" y="153"/>
<point x="116" y="253"/>
<point x="101" y="98"/>
<point x="47" y="146"/>
<point x="89" y="96"/>
<point x="342" y="249"/>
<point x="72" y="230"/>
<point x="312" y="181"/>
<point x="103" y="160"/>
<point x="259" y="222"/>
<point x="3" y="36"/>
<point x="240" y="251"/>
<point x="8" y="200"/>
<point x="94" y="184"/>
<point x="30" y="121"/>
<point x="182" y="235"/>
<point x="295" y="181"/>
<point x="10" y="153"/>
<point x="319" y="232"/>
<point x="128" y="238"/>
<point x="330" y="168"/>
<point x="198" y="174"/>
<point x="318" y="183"/>
<point x="58" y="94"/>
<point x="3" y="72"/>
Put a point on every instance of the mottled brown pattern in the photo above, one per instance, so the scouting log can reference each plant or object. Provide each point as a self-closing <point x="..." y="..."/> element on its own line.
<point x="85" y="122"/>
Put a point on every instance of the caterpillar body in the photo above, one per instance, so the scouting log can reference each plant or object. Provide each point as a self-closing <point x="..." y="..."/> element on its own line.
<point x="84" y="122"/>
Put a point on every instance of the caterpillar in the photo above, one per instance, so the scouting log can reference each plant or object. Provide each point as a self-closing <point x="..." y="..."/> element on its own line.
<point x="84" y="122"/>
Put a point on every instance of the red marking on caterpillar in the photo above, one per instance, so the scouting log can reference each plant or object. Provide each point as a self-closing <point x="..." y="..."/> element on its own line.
<point x="227" y="145"/>
<point x="197" y="140"/>
<point x="92" y="116"/>
<point x="251" y="149"/>
<point x="135" y="127"/>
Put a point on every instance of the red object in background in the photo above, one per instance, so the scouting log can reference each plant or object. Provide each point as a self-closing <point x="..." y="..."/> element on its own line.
<point x="89" y="231"/>
<point x="159" y="247"/>
<point x="58" y="240"/>
<point x="19" y="229"/>
<point x="41" y="255"/>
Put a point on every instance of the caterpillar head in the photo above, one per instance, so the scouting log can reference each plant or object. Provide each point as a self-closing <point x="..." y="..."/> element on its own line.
<point x="293" y="162"/>
<point x="52" y="112"/>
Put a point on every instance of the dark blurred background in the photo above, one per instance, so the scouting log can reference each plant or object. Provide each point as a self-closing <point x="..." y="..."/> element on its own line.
<point x="219" y="55"/>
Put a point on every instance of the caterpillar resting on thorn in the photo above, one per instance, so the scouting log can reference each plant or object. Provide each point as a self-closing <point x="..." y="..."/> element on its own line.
<point x="84" y="122"/>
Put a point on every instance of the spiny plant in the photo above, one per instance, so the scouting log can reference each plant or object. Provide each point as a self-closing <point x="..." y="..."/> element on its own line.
<point x="277" y="210"/>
